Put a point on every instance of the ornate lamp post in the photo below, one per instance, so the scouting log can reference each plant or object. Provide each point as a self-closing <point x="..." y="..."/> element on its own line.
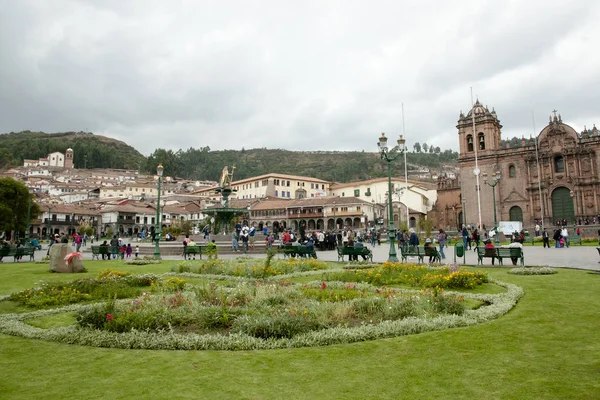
<point x="390" y="155"/>
<point x="495" y="179"/>
<point x="157" y="228"/>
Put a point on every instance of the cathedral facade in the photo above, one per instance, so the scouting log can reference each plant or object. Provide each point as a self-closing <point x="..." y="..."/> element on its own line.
<point x="559" y="181"/>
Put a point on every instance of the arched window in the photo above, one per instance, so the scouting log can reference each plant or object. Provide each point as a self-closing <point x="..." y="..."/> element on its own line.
<point x="559" y="164"/>
<point x="469" y="142"/>
<point x="481" y="141"/>
<point x="512" y="171"/>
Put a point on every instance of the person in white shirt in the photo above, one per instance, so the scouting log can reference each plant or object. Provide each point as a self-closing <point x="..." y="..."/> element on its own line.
<point x="565" y="234"/>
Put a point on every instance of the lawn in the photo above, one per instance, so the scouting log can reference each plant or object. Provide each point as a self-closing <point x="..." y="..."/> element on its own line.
<point x="546" y="347"/>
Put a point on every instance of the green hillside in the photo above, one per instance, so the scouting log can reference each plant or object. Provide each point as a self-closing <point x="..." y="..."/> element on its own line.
<point x="89" y="150"/>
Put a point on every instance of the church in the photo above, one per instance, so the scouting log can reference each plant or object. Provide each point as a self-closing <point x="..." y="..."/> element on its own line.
<point x="557" y="181"/>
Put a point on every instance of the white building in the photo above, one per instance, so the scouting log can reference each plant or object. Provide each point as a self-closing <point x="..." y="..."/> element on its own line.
<point x="280" y="186"/>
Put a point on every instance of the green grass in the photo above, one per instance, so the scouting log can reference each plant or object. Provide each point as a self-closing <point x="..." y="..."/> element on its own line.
<point x="53" y="321"/>
<point x="547" y="347"/>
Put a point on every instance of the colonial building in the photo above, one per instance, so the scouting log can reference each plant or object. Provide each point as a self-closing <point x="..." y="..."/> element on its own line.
<point x="565" y="168"/>
<point x="53" y="160"/>
<point x="281" y="186"/>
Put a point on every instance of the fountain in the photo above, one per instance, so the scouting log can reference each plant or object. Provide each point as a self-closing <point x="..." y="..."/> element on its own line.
<point x="224" y="215"/>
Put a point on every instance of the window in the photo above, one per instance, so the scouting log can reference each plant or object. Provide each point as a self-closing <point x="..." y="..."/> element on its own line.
<point x="343" y="194"/>
<point x="288" y="195"/>
<point x="276" y="193"/>
<point x="312" y="185"/>
<point x="559" y="164"/>
<point x="356" y="192"/>
<point x="469" y="142"/>
<point x="481" y="141"/>
<point x="368" y="192"/>
<point x="512" y="172"/>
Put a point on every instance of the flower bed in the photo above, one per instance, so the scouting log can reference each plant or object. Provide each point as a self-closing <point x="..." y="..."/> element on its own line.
<point x="533" y="271"/>
<point x="242" y="313"/>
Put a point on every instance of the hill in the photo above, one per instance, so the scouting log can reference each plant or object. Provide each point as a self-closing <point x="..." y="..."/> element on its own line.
<point x="332" y="166"/>
<point x="89" y="150"/>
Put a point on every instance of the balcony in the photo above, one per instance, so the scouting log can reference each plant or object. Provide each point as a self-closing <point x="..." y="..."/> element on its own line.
<point x="305" y="215"/>
<point x="61" y="222"/>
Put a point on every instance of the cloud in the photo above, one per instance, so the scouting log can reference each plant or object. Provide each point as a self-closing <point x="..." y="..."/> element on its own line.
<point x="316" y="75"/>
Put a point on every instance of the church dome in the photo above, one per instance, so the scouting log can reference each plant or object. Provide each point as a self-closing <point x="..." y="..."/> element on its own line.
<point x="69" y="149"/>
<point x="478" y="109"/>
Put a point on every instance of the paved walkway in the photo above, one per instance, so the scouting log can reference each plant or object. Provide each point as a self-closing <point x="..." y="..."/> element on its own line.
<point x="577" y="257"/>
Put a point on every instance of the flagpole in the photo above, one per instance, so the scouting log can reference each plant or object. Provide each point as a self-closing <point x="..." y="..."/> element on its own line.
<point x="537" y="158"/>
<point x="476" y="171"/>
<point x="405" y="170"/>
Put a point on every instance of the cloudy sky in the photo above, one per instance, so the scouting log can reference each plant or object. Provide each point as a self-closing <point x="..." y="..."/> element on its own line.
<point x="297" y="75"/>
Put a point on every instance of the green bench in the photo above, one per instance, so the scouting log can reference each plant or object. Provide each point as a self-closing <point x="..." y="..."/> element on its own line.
<point x="18" y="252"/>
<point x="575" y="238"/>
<point x="500" y="253"/>
<point x="420" y="252"/>
<point x="354" y="251"/>
<point x="97" y="251"/>
<point x="300" y="251"/>
<point x="192" y="251"/>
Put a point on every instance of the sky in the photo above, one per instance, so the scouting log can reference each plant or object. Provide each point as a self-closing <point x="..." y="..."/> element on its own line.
<point x="296" y="75"/>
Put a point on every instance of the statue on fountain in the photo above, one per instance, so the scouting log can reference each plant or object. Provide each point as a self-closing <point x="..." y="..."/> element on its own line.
<point x="226" y="177"/>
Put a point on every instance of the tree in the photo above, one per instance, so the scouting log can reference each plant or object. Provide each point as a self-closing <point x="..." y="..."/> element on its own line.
<point x="426" y="225"/>
<point x="417" y="147"/>
<point x="437" y="150"/>
<point x="431" y="149"/>
<point x="14" y="204"/>
<point x="425" y="147"/>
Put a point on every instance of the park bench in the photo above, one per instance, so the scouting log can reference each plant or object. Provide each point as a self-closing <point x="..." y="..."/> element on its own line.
<point x="574" y="239"/>
<point x="18" y="252"/>
<point x="412" y="251"/>
<point x="300" y="251"/>
<point x="500" y="253"/>
<point x="192" y="251"/>
<point x="97" y="251"/>
<point x="351" y="251"/>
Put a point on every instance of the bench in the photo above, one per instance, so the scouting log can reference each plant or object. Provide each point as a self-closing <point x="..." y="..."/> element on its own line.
<point x="193" y="250"/>
<point x="575" y="238"/>
<point x="18" y="252"/>
<point x="97" y="251"/>
<point x="352" y="251"/>
<point x="500" y="253"/>
<point x="412" y="251"/>
<point x="301" y="251"/>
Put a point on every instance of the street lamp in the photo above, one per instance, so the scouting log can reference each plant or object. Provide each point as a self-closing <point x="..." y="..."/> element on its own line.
<point x="28" y="218"/>
<point x="157" y="228"/>
<point x="495" y="179"/>
<point x="390" y="155"/>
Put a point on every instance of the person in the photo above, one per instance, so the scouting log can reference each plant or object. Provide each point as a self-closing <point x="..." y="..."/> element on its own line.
<point x="413" y="240"/>
<point x="287" y="238"/>
<point x="490" y="245"/>
<point x="310" y="244"/>
<point x="537" y="230"/>
<point x="206" y="232"/>
<point x="128" y="250"/>
<point x="114" y="244"/>
<point x="122" y="250"/>
<point x="84" y="239"/>
<point x="359" y="244"/>
<point x="565" y="235"/>
<point x="546" y="238"/>
<point x="35" y="244"/>
<point x="105" y="252"/>
<point x="378" y="236"/>
<point x="514" y="245"/>
<point x="476" y="238"/>
<point x="234" y="241"/>
<point x="556" y="238"/>
<point x="442" y="238"/>
<point x="137" y="251"/>
<point x="211" y="249"/>
<point x="251" y="236"/>
<point x="64" y="238"/>
<point x="429" y="249"/>
<point x="244" y="237"/>
<point x="465" y="236"/>
<point x="399" y="238"/>
<point x="5" y="247"/>
<point x="78" y="240"/>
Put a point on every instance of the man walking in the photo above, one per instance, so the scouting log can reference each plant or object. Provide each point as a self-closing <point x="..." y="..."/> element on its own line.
<point x="546" y="238"/>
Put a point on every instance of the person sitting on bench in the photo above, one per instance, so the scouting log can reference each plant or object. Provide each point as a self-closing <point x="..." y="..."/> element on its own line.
<point x="492" y="253"/>
<point x="359" y="244"/>
<point x="429" y="249"/>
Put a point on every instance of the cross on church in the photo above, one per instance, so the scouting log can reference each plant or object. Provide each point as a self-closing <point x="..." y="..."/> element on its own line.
<point x="554" y="111"/>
